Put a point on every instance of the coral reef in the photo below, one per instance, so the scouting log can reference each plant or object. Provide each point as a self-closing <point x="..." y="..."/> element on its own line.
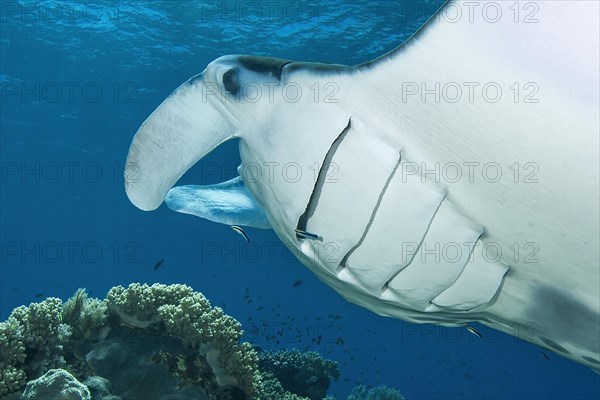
<point x="171" y="334"/>
<point x="167" y="337"/>
<point x="158" y="342"/>
<point x="304" y="374"/>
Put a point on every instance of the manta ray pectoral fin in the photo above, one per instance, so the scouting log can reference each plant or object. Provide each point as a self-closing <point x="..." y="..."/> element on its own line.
<point x="229" y="203"/>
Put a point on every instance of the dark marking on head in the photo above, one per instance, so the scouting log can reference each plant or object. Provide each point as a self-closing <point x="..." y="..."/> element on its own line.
<point x="230" y="81"/>
<point x="590" y="359"/>
<point x="264" y="65"/>
<point x="321" y="68"/>
<point x="555" y="346"/>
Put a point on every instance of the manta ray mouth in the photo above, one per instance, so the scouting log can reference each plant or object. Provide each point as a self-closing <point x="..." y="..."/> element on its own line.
<point x="181" y="131"/>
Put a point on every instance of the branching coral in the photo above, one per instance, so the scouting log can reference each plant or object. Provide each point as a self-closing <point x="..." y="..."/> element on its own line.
<point x="31" y="343"/>
<point x="12" y="357"/>
<point x="12" y="379"/>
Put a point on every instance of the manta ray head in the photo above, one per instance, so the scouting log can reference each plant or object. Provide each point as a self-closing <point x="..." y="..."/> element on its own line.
<point x="199" y="115"/>
<point x="262" y="101"/>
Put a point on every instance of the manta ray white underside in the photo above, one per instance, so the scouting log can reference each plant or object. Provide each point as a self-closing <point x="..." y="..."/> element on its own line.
<point x="453" y="179"/>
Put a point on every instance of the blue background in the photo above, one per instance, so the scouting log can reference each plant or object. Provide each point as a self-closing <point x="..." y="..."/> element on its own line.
<point x="78" y="78"/>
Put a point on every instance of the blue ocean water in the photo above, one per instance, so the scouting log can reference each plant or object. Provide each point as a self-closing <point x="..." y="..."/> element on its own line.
<point x="79" y="77"/>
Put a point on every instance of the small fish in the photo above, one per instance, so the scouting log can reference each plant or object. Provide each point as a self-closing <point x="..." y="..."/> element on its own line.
<point x="312" y="379"/>
<point x="297" y="283"/>
<point x="241" y="232"/>
<point x="308" y="235"/>
<point x="545" y="355"/>
<point x="38" y="295"/>
<point x="474" y="331"/>
<point x="158" y="264"/>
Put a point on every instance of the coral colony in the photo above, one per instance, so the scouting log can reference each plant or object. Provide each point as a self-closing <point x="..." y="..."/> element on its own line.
<point x="151" y="342"/>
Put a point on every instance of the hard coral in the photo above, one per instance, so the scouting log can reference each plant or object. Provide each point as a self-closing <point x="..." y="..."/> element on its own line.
<point x="140" y="303"/>
<point x="12" y="379"/>
<point x="31" y="343"/>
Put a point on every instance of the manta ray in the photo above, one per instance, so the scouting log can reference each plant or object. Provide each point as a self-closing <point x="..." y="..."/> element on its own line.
<point x="452" y="179"/>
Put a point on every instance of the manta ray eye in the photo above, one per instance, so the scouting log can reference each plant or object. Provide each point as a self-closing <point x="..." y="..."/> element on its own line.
<point x="230" y="81"/>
